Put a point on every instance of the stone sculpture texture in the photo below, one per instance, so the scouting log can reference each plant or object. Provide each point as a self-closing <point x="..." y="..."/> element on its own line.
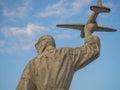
<point x="52" y="68"/>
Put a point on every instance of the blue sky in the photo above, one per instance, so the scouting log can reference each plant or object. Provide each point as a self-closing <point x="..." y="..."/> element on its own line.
<point x="22" y="22"/>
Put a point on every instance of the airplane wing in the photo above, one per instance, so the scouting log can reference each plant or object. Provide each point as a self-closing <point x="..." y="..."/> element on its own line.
<point x="81" y="27"/>
<point x="72" y="26"/>
<point x="104" y="29"/>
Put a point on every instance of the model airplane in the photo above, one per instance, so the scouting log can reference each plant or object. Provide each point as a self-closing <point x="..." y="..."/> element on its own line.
<point x="92" y="20"/>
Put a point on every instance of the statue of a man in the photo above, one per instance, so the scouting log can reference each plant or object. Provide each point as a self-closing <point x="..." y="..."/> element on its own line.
<point x="53" y="69"/>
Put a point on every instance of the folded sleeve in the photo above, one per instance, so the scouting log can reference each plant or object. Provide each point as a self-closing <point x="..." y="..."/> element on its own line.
<point x="82" y="56"/>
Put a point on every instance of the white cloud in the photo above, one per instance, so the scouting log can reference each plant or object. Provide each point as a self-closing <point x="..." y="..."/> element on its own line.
<point x="64" y="8"/>
<point x="20" y="38"/>
<point x="29" y="30"/>
<point x="20" y="10"/>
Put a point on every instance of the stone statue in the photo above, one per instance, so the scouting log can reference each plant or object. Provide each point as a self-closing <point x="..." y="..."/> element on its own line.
<point x="53" y="69"/>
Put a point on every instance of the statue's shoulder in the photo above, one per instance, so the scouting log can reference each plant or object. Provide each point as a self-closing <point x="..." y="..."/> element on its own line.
<point x="33" y="60"/>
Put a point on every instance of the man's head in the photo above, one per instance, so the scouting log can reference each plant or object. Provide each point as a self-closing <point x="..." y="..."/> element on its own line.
<point x="44" y="42"/>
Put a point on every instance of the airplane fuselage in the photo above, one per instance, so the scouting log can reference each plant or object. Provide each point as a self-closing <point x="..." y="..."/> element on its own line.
<point x="91" y="24"/>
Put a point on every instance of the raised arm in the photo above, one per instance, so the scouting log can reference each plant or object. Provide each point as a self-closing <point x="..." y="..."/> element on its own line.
<point x="89" y="51"/>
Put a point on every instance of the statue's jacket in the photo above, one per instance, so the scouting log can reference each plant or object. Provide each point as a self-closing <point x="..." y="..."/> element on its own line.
<point x="54" y="68"/>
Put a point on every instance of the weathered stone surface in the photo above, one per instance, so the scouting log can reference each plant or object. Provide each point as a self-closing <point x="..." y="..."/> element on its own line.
<point x="53" y="69"/>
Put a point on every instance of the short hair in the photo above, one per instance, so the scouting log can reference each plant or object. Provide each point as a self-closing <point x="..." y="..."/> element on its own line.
<point x="45" y="37"/>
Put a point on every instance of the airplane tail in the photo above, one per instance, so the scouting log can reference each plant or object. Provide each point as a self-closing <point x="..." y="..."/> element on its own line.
<point x="99" y="8"/>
